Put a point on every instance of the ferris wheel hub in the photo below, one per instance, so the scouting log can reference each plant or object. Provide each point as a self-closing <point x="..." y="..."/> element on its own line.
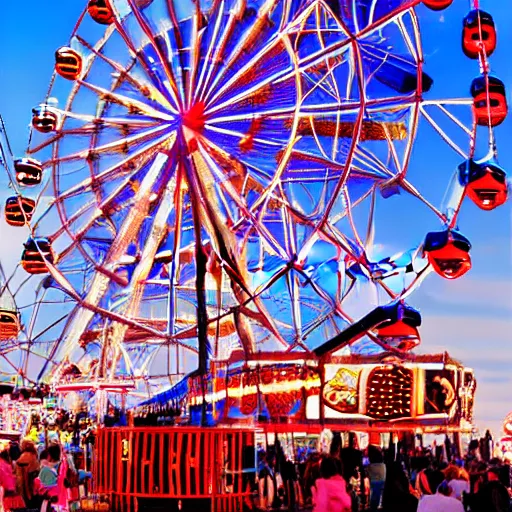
<point x="194" y="118"/>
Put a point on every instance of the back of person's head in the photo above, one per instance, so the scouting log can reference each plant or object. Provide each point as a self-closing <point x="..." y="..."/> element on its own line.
<point x="28" y="447"/>
<point x="14" y="451"/>
<point x="54" y="453"/>
<point x="4" y="455"/>
<point x="452" y="472"/>
<point x="444" y="489"/>
<point x="493" y="473"/>
<point x="396" y="479"/>
<point x="329" y="467"/>
<point x="44" y="455"/>
<point x="434" y="478"/>
<point x="375" y="454"/>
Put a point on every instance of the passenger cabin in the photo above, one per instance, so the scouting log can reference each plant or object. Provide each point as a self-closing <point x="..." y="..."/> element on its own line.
<point x="29" y="172"/>
<point x="478" y="34"/>
<point x="489" y="100"/>
<point x="100" y="11"/>
<point x="9" y="325"/>
<point x="485" y="182"/>
<point x="37" y="253"/>
<point x="448" y="253"/>
<point x="68" y="63"/>
<point x="19" y="210"/>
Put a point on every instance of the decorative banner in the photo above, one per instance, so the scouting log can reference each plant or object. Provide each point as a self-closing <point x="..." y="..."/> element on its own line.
<point x="389" y="393"/>
<point x="440" y="392"/>
<point x="341" y="392"/>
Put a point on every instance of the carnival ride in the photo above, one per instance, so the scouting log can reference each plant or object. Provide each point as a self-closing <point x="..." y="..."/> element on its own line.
<point x="201" y="189"/>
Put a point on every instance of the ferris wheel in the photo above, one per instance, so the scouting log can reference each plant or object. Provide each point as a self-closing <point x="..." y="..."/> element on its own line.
<point x="203" y="181"/>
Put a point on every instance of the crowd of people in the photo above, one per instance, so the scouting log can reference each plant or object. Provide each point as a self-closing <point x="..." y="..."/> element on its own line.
<point x="352" y="480"/>
<point x="39" y="479"/>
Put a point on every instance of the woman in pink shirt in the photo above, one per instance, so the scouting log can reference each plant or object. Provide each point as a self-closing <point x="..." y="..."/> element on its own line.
<point x="330" y="490"/>
<point x="11" y="498"/>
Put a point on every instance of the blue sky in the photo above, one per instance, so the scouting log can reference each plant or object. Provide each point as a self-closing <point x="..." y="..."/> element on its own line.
<point x="472" y="317"/>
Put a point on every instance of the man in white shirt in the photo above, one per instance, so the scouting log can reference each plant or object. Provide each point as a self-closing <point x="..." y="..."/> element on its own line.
<point x="440" y="501"/>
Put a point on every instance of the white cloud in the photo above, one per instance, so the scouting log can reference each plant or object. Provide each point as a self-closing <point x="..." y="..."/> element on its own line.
<point x="470" y="292"/>
<point x="485" y="344"/>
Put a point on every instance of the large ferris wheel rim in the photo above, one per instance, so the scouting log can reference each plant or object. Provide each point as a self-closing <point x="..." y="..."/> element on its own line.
<point x="416" y="104"/>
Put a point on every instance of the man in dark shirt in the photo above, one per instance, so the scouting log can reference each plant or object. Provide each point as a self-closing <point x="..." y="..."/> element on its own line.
<point x="493" y="496"/>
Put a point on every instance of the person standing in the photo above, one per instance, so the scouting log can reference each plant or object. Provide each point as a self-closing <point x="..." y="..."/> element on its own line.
<point x="492" y="496"/>
<point x="330" y="490"/>
<point x="27" y="470"/>
<point x="376" y="471"/>
<point x="459" y="485"/>
<point x="11" y="498"/>
<point x="441" y="501"/>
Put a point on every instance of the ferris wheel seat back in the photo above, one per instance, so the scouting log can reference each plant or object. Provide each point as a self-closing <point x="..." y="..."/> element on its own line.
<point x="29" y="171"/>
<point x="37" y="253"/>
<point x="45" y="119"/>
<point x="489" y="103"/>
<point x="68" y="63"/>
<point x="9" y="324"/>
<point x="479" y="34"/>
<point x="485" y="182"/>
<point x="448" y="253"/>
<point x="395" y="71"/>
<point x="19" y="210"/>
<point x="101" y="11"/>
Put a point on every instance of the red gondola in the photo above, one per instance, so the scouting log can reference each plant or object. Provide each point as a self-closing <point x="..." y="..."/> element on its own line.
<point x="45" y="119"/>
<point x="448" y="253"/>
<point x="437" y="5"/>
<point x="479" y="33"/>
<point x="19" y="210"/>
<point x="68" y="63"/>
<point x="489" y="104"/>
<point x="9" y="325"/>
<point x="37" y="252"/>
<point x="100" y="11"/>
<point x="485" y="182"/>
<point x="401" y="331"/>
<point x="29" y="171"/>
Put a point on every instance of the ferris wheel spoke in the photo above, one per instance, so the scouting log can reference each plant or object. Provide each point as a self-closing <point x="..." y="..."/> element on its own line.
<point x="210" y="153"/>
<point x="207" y="70"/>
<point x="444" y="135"/>
<point x="355" y="140"/>
<point x="249" y="40"/>
<point x="219" y="46"/>
<point x="164" y="87"/>
<point x="164" y="60"/>
<point x="131" y="104"/>
<point x="120" y="145"/>
<point x="141" y="271"/>
<point x="226" y="247"/>
<point x="128" y="231"/>
<point x="93" y="126"/>
<point x="145" y="88"/>
<point x="255" y="69"/>
<point x="129" y="166"/>
<point x="99" y="212"/>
